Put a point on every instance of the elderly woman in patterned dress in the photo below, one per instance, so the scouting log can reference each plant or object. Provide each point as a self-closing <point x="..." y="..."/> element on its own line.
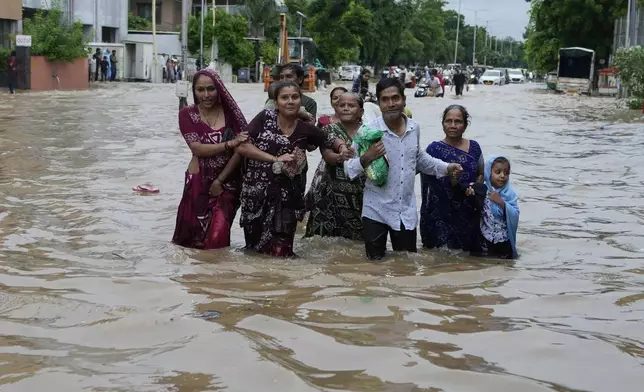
<point x="335" y="200"/>
<point x="273" y="185"/>
<point x="213" y="127"/>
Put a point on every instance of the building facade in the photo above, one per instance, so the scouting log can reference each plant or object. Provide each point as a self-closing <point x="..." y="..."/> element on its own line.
<point x="636" y="36"/>
<point x="168" y="12"/>
<point x="103" y="20"/>
<point x="10" y="17"/>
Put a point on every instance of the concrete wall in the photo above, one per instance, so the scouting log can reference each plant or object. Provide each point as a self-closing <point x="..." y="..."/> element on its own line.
<point x="637" y="30"/>
<point x="95" y="13"/>
<point x="167" y="43"/>
<point x="71" y="76"/>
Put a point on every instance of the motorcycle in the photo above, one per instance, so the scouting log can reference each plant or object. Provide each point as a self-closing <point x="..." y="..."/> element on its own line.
<point x="421" y="91"/>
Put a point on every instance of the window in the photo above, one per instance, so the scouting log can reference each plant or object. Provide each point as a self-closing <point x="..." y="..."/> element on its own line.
<point x="6" y="29"/>
<point x="108" y="34"/>
<point x="144" y="10"/>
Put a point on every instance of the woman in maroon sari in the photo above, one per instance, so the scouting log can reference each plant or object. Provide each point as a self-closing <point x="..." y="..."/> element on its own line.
<point x="213" y="127"/>
<point x="273" y="187"/>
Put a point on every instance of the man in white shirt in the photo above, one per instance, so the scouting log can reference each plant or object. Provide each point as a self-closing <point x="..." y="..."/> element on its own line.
<point x="391" y="209"/>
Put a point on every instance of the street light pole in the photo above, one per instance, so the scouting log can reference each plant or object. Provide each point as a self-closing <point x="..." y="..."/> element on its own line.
<point x="485" y="45"/>
<point x="201" y="35"/>
<point x="155" y="58"/>
<point x="458" y="26"/>
<point x="475" y="31"/>
<point x="301" y="16"/>
<point x="185" y="11"/>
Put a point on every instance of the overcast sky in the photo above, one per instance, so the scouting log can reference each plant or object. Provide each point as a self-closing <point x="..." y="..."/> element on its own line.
<point x="507" y="17"/>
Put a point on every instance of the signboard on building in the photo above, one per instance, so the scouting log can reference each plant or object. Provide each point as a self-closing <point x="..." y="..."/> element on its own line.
<point x="23" y="40"/>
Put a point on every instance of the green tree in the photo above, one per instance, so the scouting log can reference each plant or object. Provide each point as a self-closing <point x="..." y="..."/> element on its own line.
<point x="428" y="27"/>
<point x="262" y="15"/>
<point x="230" y="32"/>
<point x="54" y="37"/>
<point x="337" y="28"/>
<point x="269" y="52"/>
<point x="382" y="40"/>
<point x="194" y="32"/>
<point x="562" y="23"/>
<point x="138" y="23"/>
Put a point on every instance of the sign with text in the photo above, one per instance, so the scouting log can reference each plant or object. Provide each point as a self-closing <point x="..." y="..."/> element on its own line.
<point x="23" y="40"/>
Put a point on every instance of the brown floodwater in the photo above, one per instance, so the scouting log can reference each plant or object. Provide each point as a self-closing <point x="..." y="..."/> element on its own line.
<point x="94" y="296"/>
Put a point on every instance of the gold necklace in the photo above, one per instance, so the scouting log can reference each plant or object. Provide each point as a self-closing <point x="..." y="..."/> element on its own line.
<point x="205" y="119"/>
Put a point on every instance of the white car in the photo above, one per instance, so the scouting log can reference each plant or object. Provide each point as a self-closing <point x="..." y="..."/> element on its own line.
<point x="492" y="77"/>
<point x="516" y="76"/>
<point x="350" y="72"/>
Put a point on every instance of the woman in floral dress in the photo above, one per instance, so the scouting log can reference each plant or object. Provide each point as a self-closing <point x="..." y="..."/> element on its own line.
<point x="336" y="201"/>
<point x="273" y="187"/>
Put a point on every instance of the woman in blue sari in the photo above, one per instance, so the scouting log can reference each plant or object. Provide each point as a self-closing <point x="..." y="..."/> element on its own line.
<point x="444" y="219"/>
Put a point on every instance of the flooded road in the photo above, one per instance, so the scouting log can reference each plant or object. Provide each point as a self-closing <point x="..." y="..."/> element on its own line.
<point x="93" y="296"/>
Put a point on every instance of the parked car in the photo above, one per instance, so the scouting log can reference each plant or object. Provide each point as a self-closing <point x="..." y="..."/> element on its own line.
<point x="350" y="72"/>
<point x="493" y="77"/>
<point x="516" y="76"/>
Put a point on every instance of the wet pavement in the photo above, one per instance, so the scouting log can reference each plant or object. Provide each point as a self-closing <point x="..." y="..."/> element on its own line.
<point x="93" y="296"/>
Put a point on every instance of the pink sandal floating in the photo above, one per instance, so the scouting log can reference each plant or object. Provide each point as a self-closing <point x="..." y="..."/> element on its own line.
<point x="146" y="188"/>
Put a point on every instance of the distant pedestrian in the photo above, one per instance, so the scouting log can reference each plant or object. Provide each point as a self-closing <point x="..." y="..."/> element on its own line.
<point x="12" y="71"/>
<point x="92" y="68"/>
<point x="104" y="65"/>
<point x="113" y="62"/>
<point x="459" y="81"/>
<point x="99" y="58"/>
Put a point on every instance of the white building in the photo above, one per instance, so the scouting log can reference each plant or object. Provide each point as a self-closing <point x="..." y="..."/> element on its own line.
<point x="103" y="20"/>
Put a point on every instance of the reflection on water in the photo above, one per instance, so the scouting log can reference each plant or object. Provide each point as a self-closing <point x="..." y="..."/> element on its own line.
<point x="93" y="295"/>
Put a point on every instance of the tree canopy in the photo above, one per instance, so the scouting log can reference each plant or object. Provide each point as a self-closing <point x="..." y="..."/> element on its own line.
<point x="230" y="32"/>
<point x="371" y="32"/>
<point x="564" y="23"/>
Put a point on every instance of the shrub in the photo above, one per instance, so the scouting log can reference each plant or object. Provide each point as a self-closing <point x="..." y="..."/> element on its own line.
<point x="54" y="37"/>
<point x="4" y="59"/>
<point x="138" y="23"/>
<point x="630" y="63"/>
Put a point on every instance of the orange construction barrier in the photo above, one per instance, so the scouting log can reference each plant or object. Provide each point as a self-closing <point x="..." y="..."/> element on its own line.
<point x="267" y="77"/>
<point x="311" y="78"/>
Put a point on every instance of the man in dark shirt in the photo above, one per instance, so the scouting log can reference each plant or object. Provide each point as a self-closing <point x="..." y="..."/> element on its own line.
<point x="99" y="58"/>
<point x="459" y="82"/>
<point x="12" y="71"/>
<point x="293" y="72"/>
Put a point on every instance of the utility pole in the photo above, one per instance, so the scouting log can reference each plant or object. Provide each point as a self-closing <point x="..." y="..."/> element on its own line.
<point x="185" y="11"/>
<point x="475" y="31"/>
<point x="485" y="45"/>
<point x="631" y="22"/>
<point x="215" y="50"/>
<point x="155" y="59"/>
<point x="201" y="35"/>
<point x="458" y="26"/>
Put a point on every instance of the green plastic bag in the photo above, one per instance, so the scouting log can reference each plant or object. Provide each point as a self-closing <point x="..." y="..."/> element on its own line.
<point x="378" y="170"/>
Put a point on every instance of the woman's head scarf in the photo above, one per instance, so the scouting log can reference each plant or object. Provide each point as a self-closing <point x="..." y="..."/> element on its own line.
<point x="235" y="120"/>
